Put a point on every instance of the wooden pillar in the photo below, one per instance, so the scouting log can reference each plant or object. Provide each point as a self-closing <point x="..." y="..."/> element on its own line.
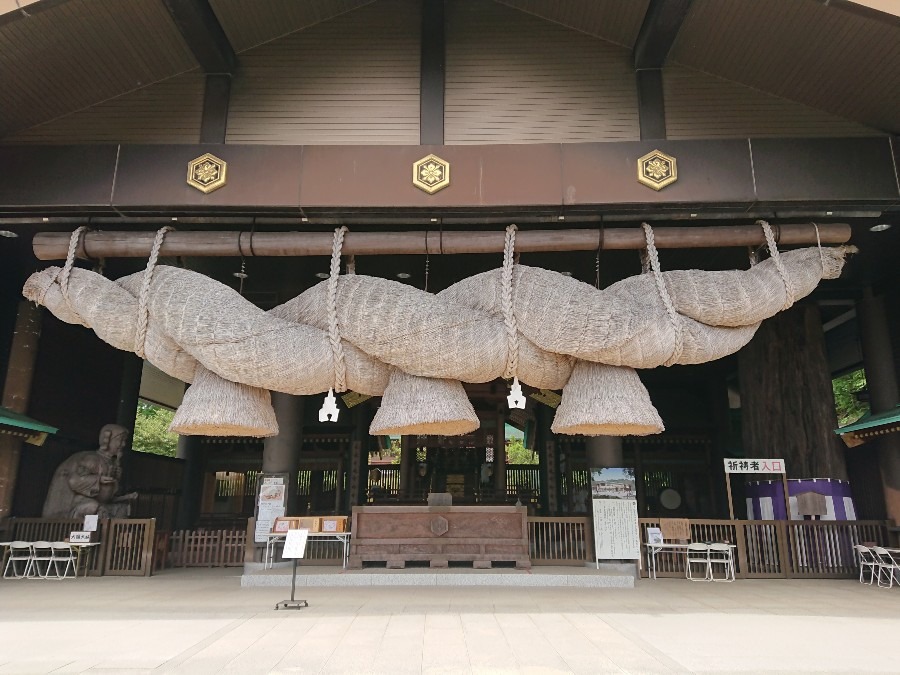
<point x="547" y="455"/>
<point x="357" y="479"/>
<point x="787" y="403"/>
<point x="407" y="465"/>
<point x="281" y="453"/>
<point x="16" y="394"/>
<point x="129" y="393"/>
<point x="190" y="449"/>
<point x="500" y="457"/>
<point x="881" y="382"/>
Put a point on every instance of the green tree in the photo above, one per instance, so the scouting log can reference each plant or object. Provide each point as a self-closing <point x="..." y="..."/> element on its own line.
<point x="849" y="408"/>
<point x="151" y="430"/>
<point x="517" y="453"/>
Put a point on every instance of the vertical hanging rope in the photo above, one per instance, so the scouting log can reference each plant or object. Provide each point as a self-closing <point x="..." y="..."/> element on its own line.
<point x="819" y="244"/>
<point x="653" y="260"/>
<point x="140" y="335"/>
<point x="64" y="273"/>
<point x="789" y="294"/>
<point x="334" y="335"/>
<point x="506" y="301"/>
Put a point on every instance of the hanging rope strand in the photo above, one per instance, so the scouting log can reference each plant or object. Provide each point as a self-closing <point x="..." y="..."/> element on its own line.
<point x="140" y="334"/>
<point x="789" y="293"/>
<point x="64" y="273"/>
<point x="506" y="303"/>
<point x="821" y="252"/>
<point x="653" y="260"/>
<point x="334" y="335"/>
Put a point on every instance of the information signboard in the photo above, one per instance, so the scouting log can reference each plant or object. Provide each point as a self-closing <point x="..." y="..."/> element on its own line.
<point x="271" y="503"/>
<point x="616" y="531"/>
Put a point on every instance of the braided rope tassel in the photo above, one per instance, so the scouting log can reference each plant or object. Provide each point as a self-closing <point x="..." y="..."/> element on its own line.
<point x="789" y="295"/>
<point x="329" y="411"/>
<point x="140" y="334"/>
<point x="653" y="258"/>
<point x="515" y="399"/>
<point x="64" y="273"/>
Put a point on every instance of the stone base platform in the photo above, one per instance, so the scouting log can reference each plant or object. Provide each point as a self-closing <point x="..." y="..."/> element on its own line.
<point x="584" y="577"/>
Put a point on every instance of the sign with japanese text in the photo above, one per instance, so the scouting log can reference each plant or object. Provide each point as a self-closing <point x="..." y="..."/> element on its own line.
<point x="616" y="531"/>
<point x="295" y="544"/>
<point x="754" y="465"/>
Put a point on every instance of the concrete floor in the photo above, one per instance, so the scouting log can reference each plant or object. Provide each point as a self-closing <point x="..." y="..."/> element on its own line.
<point x="202" y="621"/>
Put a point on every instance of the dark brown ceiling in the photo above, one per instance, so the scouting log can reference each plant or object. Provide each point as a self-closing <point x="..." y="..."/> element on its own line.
<point x="823" y="56"/>
<point x="76" y="53"/>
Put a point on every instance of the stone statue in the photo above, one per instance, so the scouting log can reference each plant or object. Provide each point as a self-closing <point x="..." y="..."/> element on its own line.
<point x="87" y="483"/>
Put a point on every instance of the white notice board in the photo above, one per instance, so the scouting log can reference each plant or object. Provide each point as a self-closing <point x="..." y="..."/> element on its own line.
<point x="295" y="544"/>
<point x="271" y="500"/>
<point x="616" y="532"/>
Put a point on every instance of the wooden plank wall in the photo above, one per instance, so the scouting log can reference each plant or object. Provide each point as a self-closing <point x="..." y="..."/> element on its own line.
<point x="514" y="78"/>
<point x="351" y="80"/>
<point x="165" y="112"/>
<point x="705" y="106"/>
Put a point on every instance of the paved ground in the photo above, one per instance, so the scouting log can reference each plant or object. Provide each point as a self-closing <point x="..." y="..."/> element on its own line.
<point x="201" y="621"/>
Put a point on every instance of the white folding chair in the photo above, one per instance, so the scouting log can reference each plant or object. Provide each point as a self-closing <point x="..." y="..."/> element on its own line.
<point x="62" y="554"/>
<point x="886" y="564"/>
<point x="697" y="554"/>
<point x="720" y="554"/>
<point x="41" y="553"/>
<point x="866" y="560"/>
<point x="19" y="556"/>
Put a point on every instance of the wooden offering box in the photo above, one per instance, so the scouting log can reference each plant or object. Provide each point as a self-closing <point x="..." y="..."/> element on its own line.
<point x="481" y="535"/>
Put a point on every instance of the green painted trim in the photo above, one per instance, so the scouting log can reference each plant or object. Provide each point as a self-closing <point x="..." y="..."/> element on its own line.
<point x="869" y="421"/>
<point x="14" y="419"/>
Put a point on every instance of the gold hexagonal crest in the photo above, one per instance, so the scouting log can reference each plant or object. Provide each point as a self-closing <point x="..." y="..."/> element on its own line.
<point x="657" y="170"/>
<point x="431" y="174"/>
<point x="206" y="173"/>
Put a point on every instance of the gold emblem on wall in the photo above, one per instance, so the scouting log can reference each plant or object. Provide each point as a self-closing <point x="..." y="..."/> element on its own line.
<point x="206" y="173"/>
<point x="657" y="170"/>
<point x="431" y="174"/>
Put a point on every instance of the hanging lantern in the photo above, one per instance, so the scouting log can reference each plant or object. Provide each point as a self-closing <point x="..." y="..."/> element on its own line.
<point x="213" y="406"/>
<point x="602" y="400"/>
<point x="423" y="405"/>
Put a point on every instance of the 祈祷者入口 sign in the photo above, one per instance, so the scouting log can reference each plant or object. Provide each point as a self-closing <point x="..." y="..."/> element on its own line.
<point x="754" y="465"/>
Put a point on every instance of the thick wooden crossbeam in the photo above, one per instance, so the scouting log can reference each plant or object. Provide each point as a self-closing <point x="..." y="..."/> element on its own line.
<point x="53" y="245"/>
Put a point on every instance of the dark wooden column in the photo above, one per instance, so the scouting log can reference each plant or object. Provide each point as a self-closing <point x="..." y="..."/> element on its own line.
<point x="357" y="474"/>
<point x="500" y="457"/>
<point x="16" y="394"/>
<point x="884" y="393"/>
<point x="787" y="403"/>
<point x="216" y="97"/>
<point x="657" y="35"/>
<point x="407" y="465"/>
<point x="191" y="450"/>
<point x="433" y="57"/>
<point x="546" y="441"/>
<point x="132" y="370"/>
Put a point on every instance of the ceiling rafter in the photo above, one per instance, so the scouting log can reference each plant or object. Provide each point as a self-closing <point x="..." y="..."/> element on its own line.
<point x="203" y="34"/>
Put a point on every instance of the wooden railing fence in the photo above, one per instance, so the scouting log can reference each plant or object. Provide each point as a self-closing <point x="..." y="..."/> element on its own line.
<point x="126" y="544"/>
<point x="206" y="548"/>
<point x="560" y="541"/>
<point x="765" y="549"/>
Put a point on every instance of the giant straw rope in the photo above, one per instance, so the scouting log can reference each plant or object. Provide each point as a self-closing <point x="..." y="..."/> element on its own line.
<point x="383" y="338"/>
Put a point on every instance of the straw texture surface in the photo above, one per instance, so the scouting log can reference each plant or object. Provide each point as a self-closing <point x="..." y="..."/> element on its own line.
<point x="435" y="341"/>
